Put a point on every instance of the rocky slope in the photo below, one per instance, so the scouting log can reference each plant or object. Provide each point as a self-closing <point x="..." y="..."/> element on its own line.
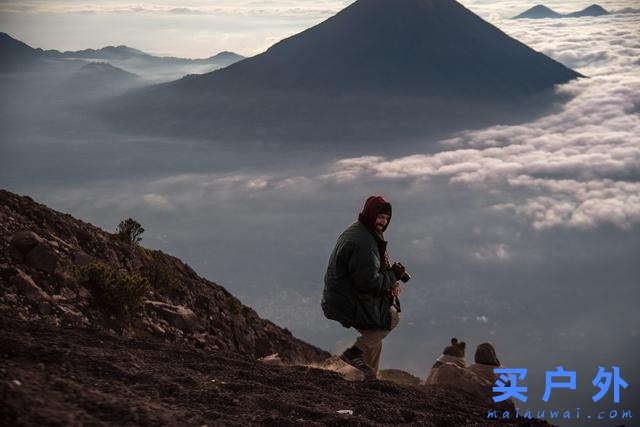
<point x="188" y="354"/>
<point x="40" y="249"/>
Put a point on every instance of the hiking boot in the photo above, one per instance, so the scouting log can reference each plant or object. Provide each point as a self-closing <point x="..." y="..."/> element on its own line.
<point x="353" y="357"/>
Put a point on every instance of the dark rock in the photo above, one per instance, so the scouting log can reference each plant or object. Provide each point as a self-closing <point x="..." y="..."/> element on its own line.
<point x="84" y="238"/>
<point x="42" y="257"/>
<point x="81" y="258"/>
<point x="15" y="255"/>
<point x="25" y="241"/>
<point x="60" y="276"/>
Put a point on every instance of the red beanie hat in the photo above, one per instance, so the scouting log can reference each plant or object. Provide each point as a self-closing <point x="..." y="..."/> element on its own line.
<point x="374" y="206"/>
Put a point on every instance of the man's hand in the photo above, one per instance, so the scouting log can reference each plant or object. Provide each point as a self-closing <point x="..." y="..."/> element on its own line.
<point x="396" y="290"/>
<point x="398" y="270"/>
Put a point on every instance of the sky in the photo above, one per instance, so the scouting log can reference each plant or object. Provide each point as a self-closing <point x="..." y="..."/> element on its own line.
<point x="199" y="28"/>
<point x="527" y="235"/>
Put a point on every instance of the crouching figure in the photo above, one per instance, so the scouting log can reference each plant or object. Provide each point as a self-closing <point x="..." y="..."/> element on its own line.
<point x="362" y="288"/>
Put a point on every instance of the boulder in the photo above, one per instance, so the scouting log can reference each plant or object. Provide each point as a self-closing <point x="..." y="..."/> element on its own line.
<point x="42" y="257"/>
<point x="14" y="254"/>
<point x="177" y="316"/>
<point x="24" y="241"/>
<point x="81" y="258"/>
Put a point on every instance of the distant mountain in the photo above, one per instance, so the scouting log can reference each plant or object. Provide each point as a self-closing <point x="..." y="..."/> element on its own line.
<point x="154" y="68"/>
<point x="541" y="11"/>
<point x="100" y="70"/>
<point x="401" y="65"/>
<point x="537" y="12"/>
<point x="14" y="53"/>
<point x="593" y="10"/>
<point x="98" y="79"/>
<point x="226" y="56"/>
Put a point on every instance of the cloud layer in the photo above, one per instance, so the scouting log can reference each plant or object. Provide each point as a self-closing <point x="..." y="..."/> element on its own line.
<point x="239" y="8"/>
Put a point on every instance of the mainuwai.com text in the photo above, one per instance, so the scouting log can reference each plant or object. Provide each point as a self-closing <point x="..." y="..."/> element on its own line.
<point x="568" y="414"/>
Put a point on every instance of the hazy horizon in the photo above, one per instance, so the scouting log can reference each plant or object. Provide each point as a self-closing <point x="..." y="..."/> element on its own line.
<point x="198" y="29"/>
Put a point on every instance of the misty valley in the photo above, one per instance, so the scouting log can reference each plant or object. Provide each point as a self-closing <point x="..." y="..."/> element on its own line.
<point x="508" y="148"/>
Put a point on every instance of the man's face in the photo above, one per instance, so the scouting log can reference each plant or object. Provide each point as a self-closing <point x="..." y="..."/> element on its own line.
<point x="381" y="222"/>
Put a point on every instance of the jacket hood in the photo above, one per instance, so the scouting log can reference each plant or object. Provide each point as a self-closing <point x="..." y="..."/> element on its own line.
<point x="486" y="355"/>
<point x="372" y="207"/>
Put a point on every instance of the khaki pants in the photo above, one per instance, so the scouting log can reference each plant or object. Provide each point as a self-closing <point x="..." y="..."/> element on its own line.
<point x="370" y="341"/>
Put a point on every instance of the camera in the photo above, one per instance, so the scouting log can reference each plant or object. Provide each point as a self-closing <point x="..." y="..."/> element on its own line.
<point x="405" y="276"/>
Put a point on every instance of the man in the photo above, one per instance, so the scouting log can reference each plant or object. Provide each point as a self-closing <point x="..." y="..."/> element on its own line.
<point x="361" y="288"/>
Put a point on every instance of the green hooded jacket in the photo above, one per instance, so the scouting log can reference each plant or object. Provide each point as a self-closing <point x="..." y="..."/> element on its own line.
<point x="356" y="292"/>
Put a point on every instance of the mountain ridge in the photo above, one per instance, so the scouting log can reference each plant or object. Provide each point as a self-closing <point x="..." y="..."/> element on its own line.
<point x="126" y="52"/>
<point x="109" y="52"/>
<point x="17" y="55"/>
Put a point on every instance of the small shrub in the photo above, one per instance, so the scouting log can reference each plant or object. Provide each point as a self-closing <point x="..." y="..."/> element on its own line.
<point x="247" y="312"/>
<point x="233" y="305"/>
<point x="116" y="293"/>
<point x="161" y="275"/>
<point x="130" y="230"/>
